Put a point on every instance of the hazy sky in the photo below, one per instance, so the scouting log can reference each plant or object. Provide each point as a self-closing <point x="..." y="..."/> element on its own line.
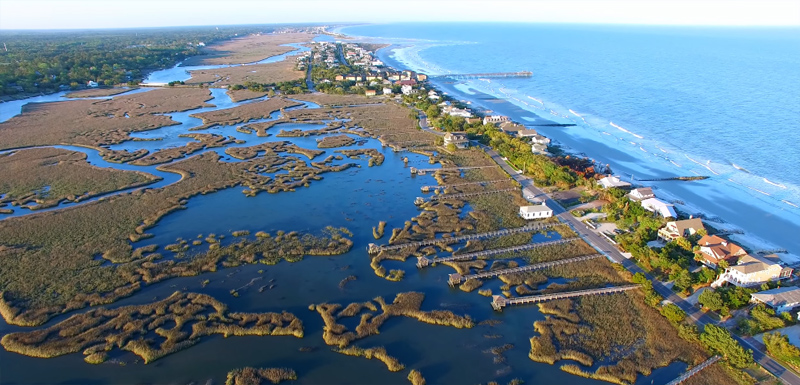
<point x="37" y="14"/>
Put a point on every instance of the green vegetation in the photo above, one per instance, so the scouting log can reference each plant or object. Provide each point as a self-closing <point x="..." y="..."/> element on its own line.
<point x="719" y="340"/>
<point x="762" y="319"/>
<point x="257" y="376"/>
<point x="150" y="331"/>
<point x="45" y="61"/>
<point x="779" y="347"/>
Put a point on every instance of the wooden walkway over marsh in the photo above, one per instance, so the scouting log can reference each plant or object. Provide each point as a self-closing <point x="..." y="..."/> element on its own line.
<point x="424" y="261"/>
<point x="375" y="249"/>
<point x="694" y="370"/>
<point x="499" y="302"/>
<point x="422" y="171"/>
<point x="421" y="200"/>
<point x="456" y="278"/>
<point x="481" y="183"/>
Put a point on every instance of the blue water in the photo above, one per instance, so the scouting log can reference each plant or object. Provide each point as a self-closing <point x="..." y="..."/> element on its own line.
<point x="721" y="102"/>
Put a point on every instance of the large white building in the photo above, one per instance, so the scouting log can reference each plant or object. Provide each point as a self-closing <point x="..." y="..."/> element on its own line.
<point x="781" y="299"/>
<point x="659" y="207"/>
<point x="754" y="270"/>
<point x="535" y="212"/>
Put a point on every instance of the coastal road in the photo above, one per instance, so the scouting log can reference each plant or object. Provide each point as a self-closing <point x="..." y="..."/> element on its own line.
<point x="599" y="243"/>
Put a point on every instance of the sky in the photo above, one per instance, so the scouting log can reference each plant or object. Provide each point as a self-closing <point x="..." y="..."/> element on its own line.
<point x="69" y="14"/>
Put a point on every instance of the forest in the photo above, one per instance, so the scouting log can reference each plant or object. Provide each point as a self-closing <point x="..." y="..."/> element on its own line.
<point x="49" y="61"/>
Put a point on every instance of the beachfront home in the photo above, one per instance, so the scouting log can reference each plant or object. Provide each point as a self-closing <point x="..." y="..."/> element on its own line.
<point x="659" y="207"/>
<point x="527" y="133"/>
<point x="511" y="128"/>
<point x="535" y="212"/>
<point x="407" y="90"/>
<point x="612" y="181"/>
<point x="409" y="82"/>
<point x="680" y="229"/>
<point x="754" y="270"/>
<point x="432" y="95"/>
<point x="458" y="139"/>
<point x="422" y="77"/>
<point x="537" y="148"/>
<point x="370" y="92"/>
<point x="781" y="299"/>
<point x="452" y="111"/>
<point x="539" y="139"/>
<point x="494" y="119"/>
<point x="641" y="194"/>
<point x="714" y="249"/>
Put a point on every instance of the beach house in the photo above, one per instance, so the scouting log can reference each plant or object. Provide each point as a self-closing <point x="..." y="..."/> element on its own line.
<point x="370" y="93"/>
<point x="613" y="181"/>
<point x="540" y="211"/>
<point x="659" y="207"/>
<point x="781" y="299"/>
<point x="387" y="91"/>
<point x="641" y="194"/>
<point x="714" y="249"/>
<point x="754" y="270"/>
<point x="494" y="119"/>
<point x="680" y="229"/>
<point x="458" y="139"/>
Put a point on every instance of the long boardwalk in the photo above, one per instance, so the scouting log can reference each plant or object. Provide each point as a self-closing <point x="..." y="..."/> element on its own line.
<point x="456" y="278"/>
<point x="694" y="370"/>
<point x="424" y="262"/>
<point x="422" y="171"/>
<point x="438" y="186"/>
<point x="421" y="200"/>
<point x="374" y="249"/>
<point x="499" y="302"/>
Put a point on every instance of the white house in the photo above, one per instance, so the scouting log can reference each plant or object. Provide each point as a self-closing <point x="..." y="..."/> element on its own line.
<point x="493" y="119"/>
<point x="540" y="139"/>
<point x="407" y="90"/>
<point x="680" y="229"/>
<point x="387" y="91"/>
<point x="641" y="194"/>
<point x="612" y="181"/>
<point x="781" y="299"/>
<point x="457" y="139"/>
<point x="754" y="270"/>
<point x="659" y="207"/>
<point x="535" y="212"/>
<point x="92" y="83"/>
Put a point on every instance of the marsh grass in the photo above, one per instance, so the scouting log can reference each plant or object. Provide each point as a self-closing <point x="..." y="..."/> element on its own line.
<point x="150" y="331"/>
<point x="257" y="376"/>
<point x="470" y="285"/>
<point x="335" y="141"/>
<point x="415" y="377"/>
<point x="393" y="364"/>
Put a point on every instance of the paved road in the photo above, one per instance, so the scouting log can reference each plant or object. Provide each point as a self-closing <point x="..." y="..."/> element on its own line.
<point x="598" y="242"/>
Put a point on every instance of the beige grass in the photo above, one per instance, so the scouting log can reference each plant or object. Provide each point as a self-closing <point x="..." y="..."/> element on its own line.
<point x="248" y="49"/>
<point x="282" y="71"/>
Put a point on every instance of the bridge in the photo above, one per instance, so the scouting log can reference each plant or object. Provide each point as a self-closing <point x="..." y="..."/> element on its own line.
<point x="374" y="249"/>
<point x="424" y="261"/>
<point x="482" y="183"/>
<point x="421" y="200"/>
<point x="694" y="370"/>
<point x="456" y="278"/>
<point x="422" y="171"/>
<point x="521" y="74"/>
<point x="499" y="302"/>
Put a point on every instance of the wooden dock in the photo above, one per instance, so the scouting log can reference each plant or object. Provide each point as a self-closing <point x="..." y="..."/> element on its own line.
<point x="482" y="183"/>
<point x="499" y="302"/>
<point x="421" y="200"/>
<point x="375" y="249"/>
<point x="424" y="261"/>
<point x="694" y="370"/>
<point x="520" y="74"/>
<point x="456" y="278"/>
<point x="422" y="171"/>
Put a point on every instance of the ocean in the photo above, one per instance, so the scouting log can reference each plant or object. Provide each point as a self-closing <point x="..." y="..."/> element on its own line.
<point x="651" y="102"/>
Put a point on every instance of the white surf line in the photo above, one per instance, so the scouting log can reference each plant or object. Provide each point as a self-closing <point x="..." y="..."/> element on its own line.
<point x="624" y="130"/>
<point x="789" y="203"/>
<point x="751" y="188"/>
<point x="673" y="162"/>
<point x="704" y="165"/>
<point x="774" y="184"/>
<point x="536" y="100"/>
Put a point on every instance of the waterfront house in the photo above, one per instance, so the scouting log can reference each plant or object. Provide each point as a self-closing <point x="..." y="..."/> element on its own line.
<point x="511" y="128"/>
<point x="422" y="77"/>
<point x="527" y="133"/>
<point x="680" y="229"/>
<point x="370" y="92"/>
<point x="494" y="119"/>
<point x="641" y="194"/>
<point x="409" y="82"/>
<point x="457" y="139"/>
<point x="453" y="111"/>
<point x="535" y="212"/>
<point x="613" y="181"/>
<point x="659" y="207"/>
<point x="407" y="90"/>
<point x="387" y="91"/>
<point x="754" y="270"/>
<point x="781" y="299"/>
<point x="714" y="249"/>
<point x="539" y="139"/>
<point x="92" y="84"/>
<point x="537" y="148"/>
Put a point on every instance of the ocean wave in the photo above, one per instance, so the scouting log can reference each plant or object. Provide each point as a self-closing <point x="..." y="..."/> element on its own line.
<point x="740" y="168"/>
<point x="624" y="130"/>
<point x="704" y="165"/>
<point x="774" y="184"/>
<point x="789" y="203"/>
<point x="537" y="100"/>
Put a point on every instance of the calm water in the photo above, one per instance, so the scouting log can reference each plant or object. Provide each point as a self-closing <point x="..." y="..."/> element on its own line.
<point x="720" y="102"/>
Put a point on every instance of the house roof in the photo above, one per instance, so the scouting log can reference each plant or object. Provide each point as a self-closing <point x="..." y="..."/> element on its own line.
<point x="686" y="224"/>
<point x="644" y="191"/>
<point x="749" y="264"/>
<point x="527" y="132"/>
<point x="534" y="209"/>
<point x="662" y="208"/>
<point x="781" y="296"/>
<point x="612" y="181"/>
<point x="720" y="248"/>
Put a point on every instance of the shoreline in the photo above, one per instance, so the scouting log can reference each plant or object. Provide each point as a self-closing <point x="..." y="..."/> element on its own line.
<point x="691" y="202"/>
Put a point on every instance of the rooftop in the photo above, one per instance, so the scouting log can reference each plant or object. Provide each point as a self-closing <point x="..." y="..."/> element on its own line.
<point x="534" y="209"/>
<point x="779" y="297"/>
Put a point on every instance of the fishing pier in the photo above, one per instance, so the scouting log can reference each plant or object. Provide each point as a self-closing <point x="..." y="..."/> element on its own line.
<point x="499" y="302"/>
